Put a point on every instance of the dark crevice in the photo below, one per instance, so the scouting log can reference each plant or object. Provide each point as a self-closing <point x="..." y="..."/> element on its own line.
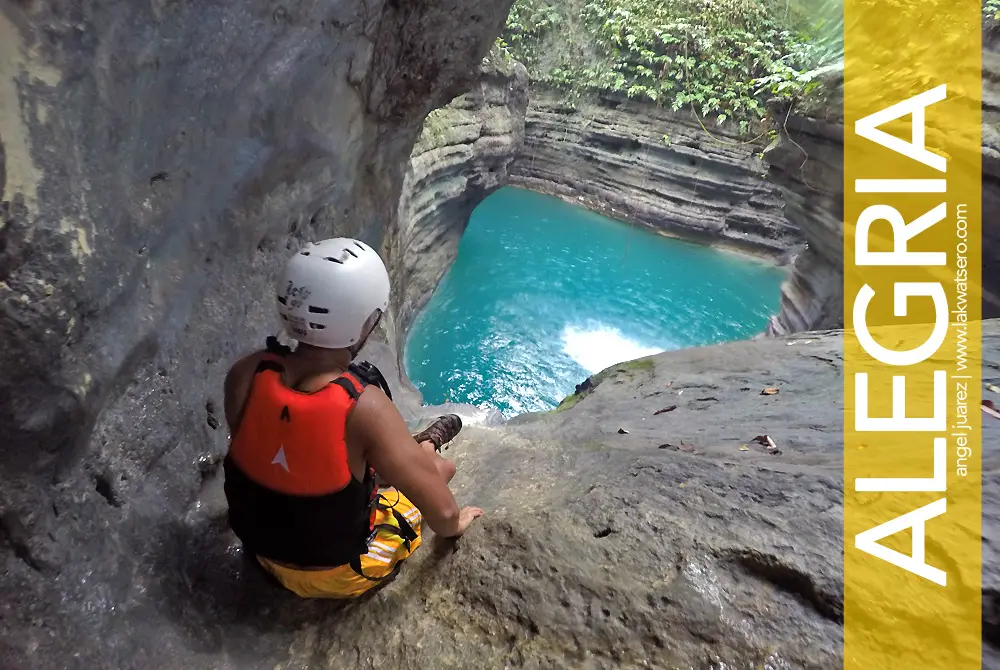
<point x="528" y="624"/>
<point x="792" y="581"/>
<point x="102" y="484"/>
<point x="14" y="249"/>
<point x="13" y="532"/>
<point x="211" y="418"/>
<point x="3" y="169"/>
<point x="828" y="361"/>
<point x="604" y="532"/>
<point x="991" y="617"/>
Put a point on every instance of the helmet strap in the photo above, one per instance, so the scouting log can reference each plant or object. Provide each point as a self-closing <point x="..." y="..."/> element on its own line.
<point x="360" y="344"/>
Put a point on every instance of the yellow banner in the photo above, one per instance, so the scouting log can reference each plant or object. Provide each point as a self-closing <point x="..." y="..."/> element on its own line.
<point x="912" y="358"/>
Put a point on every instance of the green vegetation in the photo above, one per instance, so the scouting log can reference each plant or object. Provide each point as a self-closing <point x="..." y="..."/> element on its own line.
<point x="721" y="58"/>
<point x="439" y="125"/>
<point x="499" y="56"/>
<point x="647" y="364"/>
<point x="569" y="401"/>
<point x="628" y="368"/>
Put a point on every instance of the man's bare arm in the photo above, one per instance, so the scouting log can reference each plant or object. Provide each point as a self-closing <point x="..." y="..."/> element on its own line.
<point x="396" y="456"/>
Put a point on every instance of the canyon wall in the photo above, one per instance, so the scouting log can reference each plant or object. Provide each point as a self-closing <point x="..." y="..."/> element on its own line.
<point x="808" y="167"/>
<point x="463" y="154"/>
<point x="641" y="163"/>
<point x="158" y="162"/>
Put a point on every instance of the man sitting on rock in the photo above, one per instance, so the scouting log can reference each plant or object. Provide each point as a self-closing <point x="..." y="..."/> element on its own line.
<point x="310" y="429"/>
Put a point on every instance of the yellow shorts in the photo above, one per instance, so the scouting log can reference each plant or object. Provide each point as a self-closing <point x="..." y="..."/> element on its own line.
<point x="385" y="551"/>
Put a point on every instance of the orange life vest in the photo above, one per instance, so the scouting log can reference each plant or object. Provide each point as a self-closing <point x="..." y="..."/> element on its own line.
<point x="292" y="497"/>
<point x="294" y="442"/>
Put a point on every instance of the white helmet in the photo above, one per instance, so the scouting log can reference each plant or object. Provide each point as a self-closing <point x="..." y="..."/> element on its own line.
<point x="327" y="292"/>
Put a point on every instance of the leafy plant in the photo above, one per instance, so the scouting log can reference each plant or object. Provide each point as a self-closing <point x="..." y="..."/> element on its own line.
<point x="721" y="58"/>
<point x="499" y="51"/>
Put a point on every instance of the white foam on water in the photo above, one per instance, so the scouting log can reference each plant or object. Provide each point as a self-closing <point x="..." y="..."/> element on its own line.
<point x="600" y="347"/>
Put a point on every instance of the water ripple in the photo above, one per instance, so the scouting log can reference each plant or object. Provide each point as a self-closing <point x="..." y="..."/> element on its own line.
<point x="544" y="293"/>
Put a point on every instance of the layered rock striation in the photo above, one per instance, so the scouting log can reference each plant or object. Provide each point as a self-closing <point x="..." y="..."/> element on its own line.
<point x="808" y="168"/>
<point x="464" y="153"/>
<point x="808" y="165"/>
<point x="642" y="163"/>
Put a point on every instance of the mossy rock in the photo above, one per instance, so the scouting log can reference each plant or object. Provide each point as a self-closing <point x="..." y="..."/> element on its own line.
<point x="627" y="368"/>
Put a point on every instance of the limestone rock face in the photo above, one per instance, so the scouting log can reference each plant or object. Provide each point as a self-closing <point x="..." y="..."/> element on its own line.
<point x="463" y="154"/>
<point x="642" y="163"/>
<point x="808" y="166"/>
<point x="158" y="161"/>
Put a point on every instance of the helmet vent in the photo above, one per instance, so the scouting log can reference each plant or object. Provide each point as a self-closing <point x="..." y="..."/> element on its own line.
<point x="317" y="326"/>
<point x="318" y="310"/>
<point x="304" y="253"/>
<point x="351" y="252"/>
<point x="358" y="245"/>
<point x="282" y="300"/>
<point x="334" y="260"/>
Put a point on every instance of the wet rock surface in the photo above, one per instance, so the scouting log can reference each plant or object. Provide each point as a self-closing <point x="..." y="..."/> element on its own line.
<point x="666" y="547"/>
<point x="642" y="163"/>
